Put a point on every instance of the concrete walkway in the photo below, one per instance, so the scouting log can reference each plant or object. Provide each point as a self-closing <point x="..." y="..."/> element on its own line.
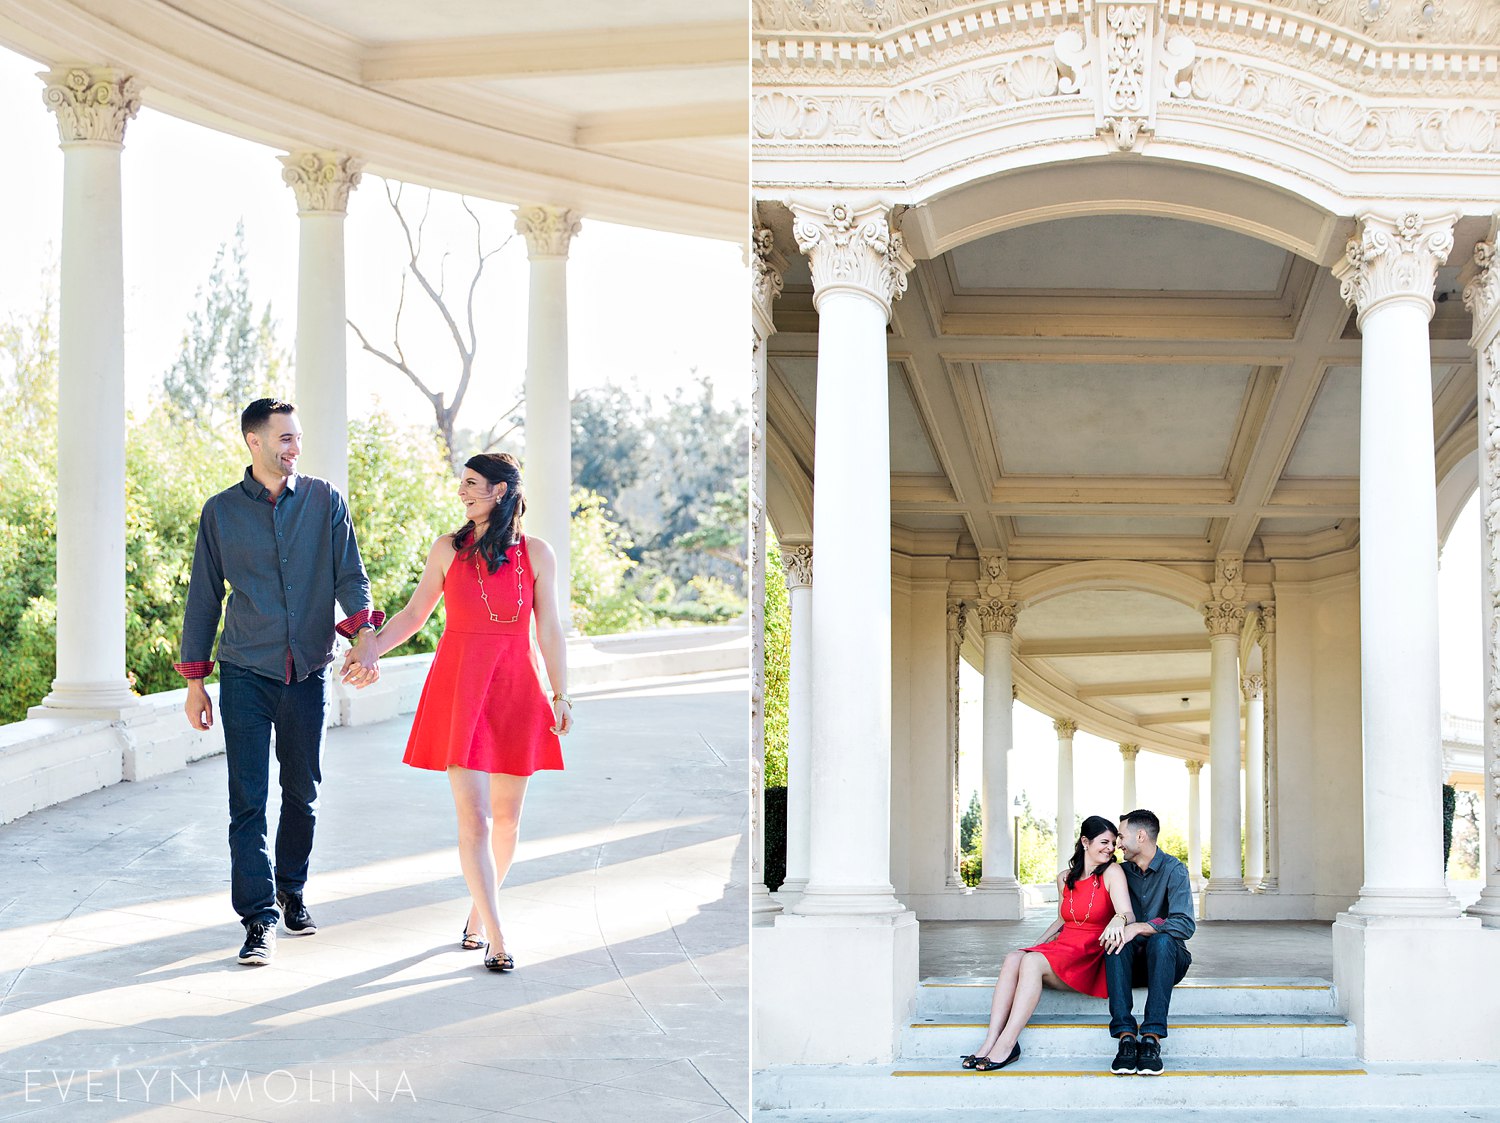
<point x="625" y="911"/>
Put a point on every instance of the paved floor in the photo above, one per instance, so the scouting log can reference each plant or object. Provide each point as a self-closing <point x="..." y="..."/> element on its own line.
<point x="626" y="912"/>
<point x="1221" y="949"/>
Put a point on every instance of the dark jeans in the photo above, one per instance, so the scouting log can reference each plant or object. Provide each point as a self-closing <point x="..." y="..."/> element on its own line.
<point x="1156" y="962"/>
<point x="250" y="706"/>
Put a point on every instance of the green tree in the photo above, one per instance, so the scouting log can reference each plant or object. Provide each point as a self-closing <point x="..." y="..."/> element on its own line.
<point x="777" y="652"/>
<point x="1038" y="846"/>
<point x="228" y="356"/>
<point x="971" y="827"/>
<point x="609" y="441"/>
<point x="602" y="600"/>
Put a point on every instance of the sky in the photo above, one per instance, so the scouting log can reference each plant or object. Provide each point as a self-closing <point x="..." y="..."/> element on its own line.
<point x="646" y="309"/>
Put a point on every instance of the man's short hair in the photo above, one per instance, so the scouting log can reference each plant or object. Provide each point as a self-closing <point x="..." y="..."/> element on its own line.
<point x="258" y="412"/>
<point x="1141" y="820"/>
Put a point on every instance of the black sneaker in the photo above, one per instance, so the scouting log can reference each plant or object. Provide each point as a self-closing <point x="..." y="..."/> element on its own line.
<point x="1125" y="1062"/>
<point x="1148" y="1057"/>
<point x="294" y="913"/>
<point x="260" y="944"/>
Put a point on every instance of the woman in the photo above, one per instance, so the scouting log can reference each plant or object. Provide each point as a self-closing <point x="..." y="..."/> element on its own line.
<point x="483" y="716"/>
<point x="1070" y="955"/>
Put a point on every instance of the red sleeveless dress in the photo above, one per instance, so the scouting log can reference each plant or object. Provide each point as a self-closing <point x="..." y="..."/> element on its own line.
<point x="1075" y="954"/>
<point x="483" y="705"/>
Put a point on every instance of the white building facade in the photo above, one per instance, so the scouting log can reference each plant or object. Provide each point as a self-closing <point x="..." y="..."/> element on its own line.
<point x="1140" y="353"/>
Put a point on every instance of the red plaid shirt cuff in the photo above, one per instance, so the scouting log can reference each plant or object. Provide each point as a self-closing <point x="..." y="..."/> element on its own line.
<point x="192" y="671"/>
<point x="351" y="624"/>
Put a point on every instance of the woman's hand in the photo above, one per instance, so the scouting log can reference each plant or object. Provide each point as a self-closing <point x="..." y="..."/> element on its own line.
<point x="1113" y="936"/>
<point x="562" y="716"/>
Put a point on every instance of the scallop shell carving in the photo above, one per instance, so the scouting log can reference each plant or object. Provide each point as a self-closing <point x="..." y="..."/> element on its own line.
<point x="1340" y="117"/>
<point x="777" y="116"/>
<point x="1032" y="76"/>
<point x="1218" y="80"/>
<point x="1281" y="95"/>
<point x="1468" y="130"/>
<point x="909" y="111"/>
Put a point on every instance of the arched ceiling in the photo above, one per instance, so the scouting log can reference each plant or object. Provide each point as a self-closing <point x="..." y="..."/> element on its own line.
<point x="630" y="113"/>
<point x="1136" y="388"/>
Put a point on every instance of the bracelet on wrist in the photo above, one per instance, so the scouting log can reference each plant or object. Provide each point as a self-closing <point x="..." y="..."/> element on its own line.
<point x="559" y="696"/>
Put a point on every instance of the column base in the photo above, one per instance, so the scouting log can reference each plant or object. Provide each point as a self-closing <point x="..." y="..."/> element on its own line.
<point x="832" y="989"/>
<point x="790" y="892"/>
<point x="1487" y="908"/>
<point x="1219" y="898"/>
<point x="762" y="904"/>
<point x="1405" y="902"/>
<point x="1412" y="987"/>
<point x="1269" y="885"/>
<point x="999" y="898"/>
<point x="848" y="900"/>
<point x="112" y="701"/>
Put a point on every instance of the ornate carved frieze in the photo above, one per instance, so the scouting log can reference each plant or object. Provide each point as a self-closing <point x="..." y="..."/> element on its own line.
<point x="1253" y="687"/>
<point x="852" y="248"/>
<point x="1394" y="258"/>
<point x="997" y="612"/>
<point x="766" y="268"/>
<point x="1267" y="619"/>
<point x="1065" y="727"/>
<point x="91" y="102"/>
<point x="321" y="180"/>
<point x="1489" y="492"/>
<point x="798" y="563"/>
<point x="548" y="231"/>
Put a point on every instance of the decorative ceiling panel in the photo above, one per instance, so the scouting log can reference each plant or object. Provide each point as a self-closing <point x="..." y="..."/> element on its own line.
<point x="1107" y="526"/>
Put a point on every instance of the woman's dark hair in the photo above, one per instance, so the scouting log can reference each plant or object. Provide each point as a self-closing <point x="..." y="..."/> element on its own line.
<point x="1092" y="828"/>
<point x="504" y="529"/>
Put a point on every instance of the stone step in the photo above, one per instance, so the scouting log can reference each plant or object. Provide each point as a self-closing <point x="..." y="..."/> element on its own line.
<point x="970" y="997"/>
<point x="1230" y="1087"/>
<point x="1085" y="1037"/>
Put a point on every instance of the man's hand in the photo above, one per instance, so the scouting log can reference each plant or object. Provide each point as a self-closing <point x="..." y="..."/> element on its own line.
<point x="199" y="707"/>
<point x="362" y="664"/>
<point x="1126" y="934"/>
<point x="1113" y="936"/>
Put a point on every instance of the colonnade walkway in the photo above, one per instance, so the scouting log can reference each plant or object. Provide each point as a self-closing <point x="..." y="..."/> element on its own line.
<point x="626" y="912"/>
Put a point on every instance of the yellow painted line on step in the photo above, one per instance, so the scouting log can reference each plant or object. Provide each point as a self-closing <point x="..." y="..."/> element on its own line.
<point x="1104" y="1025"/>
<point x="1169" y="1072"/>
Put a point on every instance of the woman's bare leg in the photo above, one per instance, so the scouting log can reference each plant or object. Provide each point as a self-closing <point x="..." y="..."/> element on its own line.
<point x="507" y="794"/>
<point x="471" y="801"/>
<point x="1034" y="971"/>
<point x="1005" y="989"/>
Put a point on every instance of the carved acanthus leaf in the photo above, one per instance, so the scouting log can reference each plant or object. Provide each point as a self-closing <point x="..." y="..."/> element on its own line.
<point x="1066" y="727"/>
<point x="766" y="267"/>
<point x="852" y="248"/>
<point x="1394" y="258"/>
<point x="1253" y="686"/>
<point x="798" y="563"/>
<point x="321" y="180"/>
<point x="997" y="615"/>
<point x="1482" y="294"/>
<point x="548" y="231"/>
<point x="1130" y="751"/>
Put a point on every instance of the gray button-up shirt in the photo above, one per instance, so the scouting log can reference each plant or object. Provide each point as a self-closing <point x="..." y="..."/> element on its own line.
<point x="285" y="563"/>
<point x="1160" y="895"/>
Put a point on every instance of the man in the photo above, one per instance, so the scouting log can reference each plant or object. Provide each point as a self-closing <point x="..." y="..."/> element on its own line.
<point x="1152" y="952"/>
<point x="284" y="545"/>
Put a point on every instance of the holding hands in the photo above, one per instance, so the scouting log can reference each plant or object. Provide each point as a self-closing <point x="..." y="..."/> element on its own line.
<point x="362" y="663"/>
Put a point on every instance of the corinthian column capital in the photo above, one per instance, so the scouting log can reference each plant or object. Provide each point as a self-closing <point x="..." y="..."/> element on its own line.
<point x="766" y="267"/>
<point x="1394" y="259"/>
<point x="548" y="230"/>
<point x="797" y="561"/>
<point x="1194" y="767"/>
<point x="1065" y="727"/>
<point x="1130" y="751"/>
<point x="1253" y="687"/>
<point x="852" y="249"/>
<point x="1482" y="293"/>
<point x="321" y="180"/>
<point x="92" y="103"/>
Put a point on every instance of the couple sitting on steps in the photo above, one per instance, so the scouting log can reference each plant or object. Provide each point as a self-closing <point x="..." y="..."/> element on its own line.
<point x="1118" y="925"/>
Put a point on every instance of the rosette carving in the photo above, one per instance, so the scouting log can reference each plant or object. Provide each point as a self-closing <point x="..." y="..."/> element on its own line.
<point x="91" y="103"/>
<point x="1394" y="258"/>
<point x="852" y="248"/>
<point x="548" y="230"/>
<point x="321" y="180"/>
<point x="798" y="563"/>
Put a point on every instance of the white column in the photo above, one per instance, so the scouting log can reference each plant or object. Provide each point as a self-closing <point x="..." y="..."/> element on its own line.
<point x="322" y="182"/>
<point x="1270" y="883"/>
<point x="997" y="621"/>
<point x="1067" y="817"/>
<point x="1225" y="615"/>
<point x="92" y="107"/>
<point x="858" y="267"/>
<point x="1388" y="275"/>
<point x="1128" y="753"/>
<point x="958" y="621"/>
<point x="1195" y="823"/>
<point x="1482" y="298"/>
<point x="1253" y="686"/>
<point x="799" y="567"/>
<point x="549" y="434"/>
<point x="766" y="266"/>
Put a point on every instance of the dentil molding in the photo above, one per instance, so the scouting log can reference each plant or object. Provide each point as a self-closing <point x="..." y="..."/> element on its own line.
<point x="321" y="180"/>
<point x="548" y="231"/>
<point x="92" y="103"/>
<point x="1394" y="258"/>
<point x="852" y="248"/>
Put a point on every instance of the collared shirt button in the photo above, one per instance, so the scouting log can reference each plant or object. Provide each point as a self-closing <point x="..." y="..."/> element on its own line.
<point x="289" y="588"/>
<point x="283" y="561"/>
